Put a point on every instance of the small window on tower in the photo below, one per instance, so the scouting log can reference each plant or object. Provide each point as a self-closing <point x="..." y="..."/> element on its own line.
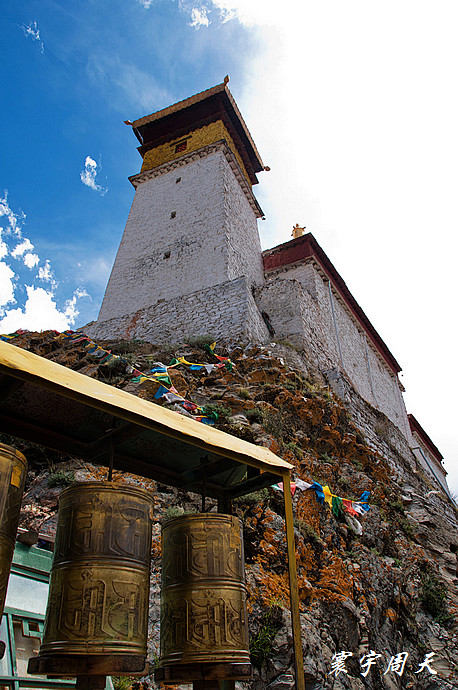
<point x="166" y="255"/>
<point x="181" y="146"/>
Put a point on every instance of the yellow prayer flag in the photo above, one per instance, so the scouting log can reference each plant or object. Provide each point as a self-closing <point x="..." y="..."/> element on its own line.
<point x="327" y="495"/>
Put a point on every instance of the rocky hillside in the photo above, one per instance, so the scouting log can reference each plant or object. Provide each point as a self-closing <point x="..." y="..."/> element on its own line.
<point x="384" y="584"/>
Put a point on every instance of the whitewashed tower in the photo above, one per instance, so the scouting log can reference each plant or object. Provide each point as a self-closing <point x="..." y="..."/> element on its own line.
<point x="190" y="254"/>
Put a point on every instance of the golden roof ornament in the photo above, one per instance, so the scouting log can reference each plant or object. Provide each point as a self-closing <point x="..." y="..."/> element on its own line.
<point x="297" y="231"/>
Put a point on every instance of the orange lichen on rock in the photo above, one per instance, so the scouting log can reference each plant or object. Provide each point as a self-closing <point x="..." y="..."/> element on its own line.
<point x="308" y="509"/>
<point x="335" y="583"/>
<point x="271" y="586"/>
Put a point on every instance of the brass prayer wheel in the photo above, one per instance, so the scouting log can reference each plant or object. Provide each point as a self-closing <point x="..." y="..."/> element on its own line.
<point x="13" y="469"/>
<point x="203" y="597"/>
<point x="99" y="584"/>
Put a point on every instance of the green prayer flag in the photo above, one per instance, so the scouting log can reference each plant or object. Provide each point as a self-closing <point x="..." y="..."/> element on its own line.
<point x="336" y="505"/>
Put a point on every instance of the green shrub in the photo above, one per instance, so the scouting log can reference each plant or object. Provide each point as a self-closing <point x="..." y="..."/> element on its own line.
<point x="261" y="643"/>
<point x="406" y="527"/>
<point x="173" y="511"/>
<point x="255" y="497"/>
<point x="273" y="423"/>
<point x="122" y="682"/>
<point x="309" y="533"/>
<point x="254" y="416"/>
<point x="294" y="448"/>
<point x="61" y="478"/>
<point x="397" y="506"/>
<point x="218" y="412"/>
<point x="433" y="599"/>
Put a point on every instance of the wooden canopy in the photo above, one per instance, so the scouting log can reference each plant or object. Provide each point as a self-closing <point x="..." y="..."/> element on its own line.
<point x="46" y="403"/>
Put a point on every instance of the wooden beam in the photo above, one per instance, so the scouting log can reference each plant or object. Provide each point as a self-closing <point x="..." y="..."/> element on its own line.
<point x="206" y="469"/>
<point x="122" y="433"/>
<point x="254" y="484"/>
<point x="41" y="435"/>
<point x="293" y="588"/>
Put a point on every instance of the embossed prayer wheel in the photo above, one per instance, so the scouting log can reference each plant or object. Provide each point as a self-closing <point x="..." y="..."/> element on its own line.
<point x="203" y="598"/>
<point x="13" y="469"/>
<point x="99" y="586"/>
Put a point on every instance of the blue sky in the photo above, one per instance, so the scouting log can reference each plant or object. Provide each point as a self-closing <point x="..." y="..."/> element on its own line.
<point x="353" y="106"/>
<point x="72" y="72"/>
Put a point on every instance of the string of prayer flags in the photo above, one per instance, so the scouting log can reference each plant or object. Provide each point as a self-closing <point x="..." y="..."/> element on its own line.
<point x="318" y="491"/>
<point x="279" y="487"/>
<point x="158" y="374"/>
<point x="348" y="506"/>
<point x="172" y="396"/>
<point x="300" y="484"/>
<point x="162" y="390"/>
<point x="210" y="415"/>
<point x="336" y="503"/>
<point x="223" y="361"/>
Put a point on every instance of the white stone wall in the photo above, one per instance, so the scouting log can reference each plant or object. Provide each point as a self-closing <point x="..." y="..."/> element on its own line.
<point x="295" y="316"/>
<point x="212" y="237"/>
<point x="428" y="462"/>
<point x="300" y="307"/>
<point x="243" y="246"/>
<point x="225" y="311"/>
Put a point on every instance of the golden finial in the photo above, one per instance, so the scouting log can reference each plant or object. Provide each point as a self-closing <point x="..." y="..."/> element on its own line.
<point x="297" y="231"/>
<point x="226" y="79"/>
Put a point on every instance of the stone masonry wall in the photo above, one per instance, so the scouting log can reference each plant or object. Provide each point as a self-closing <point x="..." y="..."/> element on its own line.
<point x="175" y="240"/>
<point x="242" y="243"/>
<point x="298" y="302"/>
<point x="428" y="462"/>
<point x="294" y="315"/>
<point x="225" y="311"/>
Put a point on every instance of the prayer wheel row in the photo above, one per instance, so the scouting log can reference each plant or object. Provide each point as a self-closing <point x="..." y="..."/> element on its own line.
<point x="97" y="613"/>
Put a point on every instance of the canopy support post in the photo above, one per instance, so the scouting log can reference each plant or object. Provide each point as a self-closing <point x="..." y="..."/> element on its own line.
<point x="293" y="588"/>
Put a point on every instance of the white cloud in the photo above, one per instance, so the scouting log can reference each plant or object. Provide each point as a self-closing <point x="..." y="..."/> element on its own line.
<point x="199" y="17"/>
<point x="253" y="12"/>
<point x="19" y="250"/>
<point x="13" y="218"/>
<point x="46" y="274"/>
<point x="128" y="86"/>
<point x="146" y="3"/>
<point x="31" y="31"/>
<point x="40" y="312"/>
<point x="88" y="175"/>
<point x="31" y="260"/>
<point x="6" y="285"/>
<point x="70" y="310"/>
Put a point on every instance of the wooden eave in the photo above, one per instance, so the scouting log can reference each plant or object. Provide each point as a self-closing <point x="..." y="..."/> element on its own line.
<point x="208" y="106"/>
<point x="46" y="403"/>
